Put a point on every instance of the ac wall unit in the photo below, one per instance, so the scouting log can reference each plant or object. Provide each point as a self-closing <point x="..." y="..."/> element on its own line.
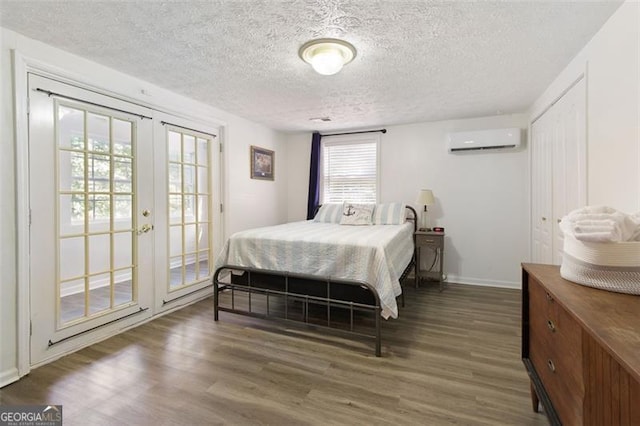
<point x="480" y="140"/>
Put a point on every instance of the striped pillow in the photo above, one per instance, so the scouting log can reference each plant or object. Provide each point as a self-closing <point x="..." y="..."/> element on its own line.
<point x="329" y="213"/>
<point x="389" y="214"/>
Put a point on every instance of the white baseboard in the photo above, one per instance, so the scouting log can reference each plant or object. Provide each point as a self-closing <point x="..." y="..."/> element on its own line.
<point x="483" y="282"/>
<point x="9" y="376"/>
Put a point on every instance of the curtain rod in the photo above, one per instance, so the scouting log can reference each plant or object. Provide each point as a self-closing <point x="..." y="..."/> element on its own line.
<point x="164" y="123"/>
<point x="60" y="95"/>
<point x="355" y="133"/>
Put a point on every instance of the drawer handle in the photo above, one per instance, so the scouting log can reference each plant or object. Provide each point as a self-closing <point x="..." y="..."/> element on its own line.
<point x="551" y="326"/>
<point x="549" y="298"/>
<point x="551" y="366"/>
<point x="429" y="241"/>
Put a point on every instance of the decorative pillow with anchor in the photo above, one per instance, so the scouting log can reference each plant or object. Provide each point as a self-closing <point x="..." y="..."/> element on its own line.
<point x="356" y="214"/>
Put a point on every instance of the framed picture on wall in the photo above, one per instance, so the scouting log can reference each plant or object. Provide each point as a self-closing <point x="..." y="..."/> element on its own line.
<point x="262" y="163"/>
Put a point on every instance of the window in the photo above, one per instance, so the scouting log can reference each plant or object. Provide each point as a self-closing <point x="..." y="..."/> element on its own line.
<point x="350" y="170"/>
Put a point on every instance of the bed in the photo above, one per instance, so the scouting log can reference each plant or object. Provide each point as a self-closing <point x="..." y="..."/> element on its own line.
<point x="319" y="272"/>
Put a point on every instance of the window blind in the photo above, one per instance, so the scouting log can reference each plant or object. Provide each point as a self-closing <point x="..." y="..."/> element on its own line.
<point x="349" y="172"/>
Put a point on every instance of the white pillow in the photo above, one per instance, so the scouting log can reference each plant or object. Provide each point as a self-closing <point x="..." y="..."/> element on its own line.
<point x="329" y="213"/>
<point x="389" y="214"/>
<point x="356" y="214"/>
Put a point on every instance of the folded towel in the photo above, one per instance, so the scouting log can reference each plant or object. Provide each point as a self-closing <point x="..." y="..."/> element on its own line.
<point x="601" y="224"/>
<point x="636" y="234"/>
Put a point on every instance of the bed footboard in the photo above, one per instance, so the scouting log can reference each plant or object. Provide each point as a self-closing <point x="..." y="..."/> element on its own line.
<point x="296" y="297"/>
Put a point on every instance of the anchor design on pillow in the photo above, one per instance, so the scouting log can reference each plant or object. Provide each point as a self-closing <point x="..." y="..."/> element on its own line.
<point x="350" y="211"/>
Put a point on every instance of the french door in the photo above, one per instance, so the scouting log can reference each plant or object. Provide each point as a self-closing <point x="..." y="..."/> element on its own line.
<point x="187" y="188"/>
<point x="91" y="245"/>
<point x="122" y="224"/>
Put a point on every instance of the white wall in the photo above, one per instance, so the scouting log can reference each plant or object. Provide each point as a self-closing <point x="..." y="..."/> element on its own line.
<point x="612" y="63"/>
<point x="481" y="198"/>
<point x="247" y="202"/>
<point x="252" y="202"/>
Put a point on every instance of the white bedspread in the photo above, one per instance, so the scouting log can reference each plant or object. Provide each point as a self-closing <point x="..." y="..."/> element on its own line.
<point x="375" y="254"/>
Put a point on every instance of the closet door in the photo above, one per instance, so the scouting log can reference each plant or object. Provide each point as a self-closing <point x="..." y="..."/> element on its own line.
<point x="558" y="174"/>
<point x="569" y="161"/>
<point x="542" y="136"/>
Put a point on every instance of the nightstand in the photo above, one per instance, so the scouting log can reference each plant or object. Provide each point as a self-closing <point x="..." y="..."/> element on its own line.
<point x="430" y="241"/>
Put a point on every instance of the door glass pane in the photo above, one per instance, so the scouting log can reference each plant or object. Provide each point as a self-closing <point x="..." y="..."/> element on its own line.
<point x="190" y="239"/>
<point x="204" y="264"/>
<point x="203" y="180"/>
<point x="122" y="175"/>
<point x="95" y="188"/>
<point x="98" y="132"/>
<point x="71" y="300"/>
<point x="123" y="293"/>
<point x="99" y="207"/>
<point x="71" y="258"/>
<point x="122" y="212"/>
<point x="122" y="255"/>
<point x="203" y="151"/>
<point x="189" y="208"/>
<point x="73" y="163"/>
<point x="175" y="272"/>
<point x="175" y="147"/>
<point x="99" y="293"/>
<point x="99" y="253"/>
<point x="189" y="176"/>
<point x="175" y="178"/>
<point x="175" y="241"/>
<point x="175" y="209"/>
<point x="203" y="236"/>
<point x="203" y="208"/>
<point x="189" y="153"/>
<point x="122" y="137"/>
<point x="70" y="128"/>
<point x="71" y="214"/>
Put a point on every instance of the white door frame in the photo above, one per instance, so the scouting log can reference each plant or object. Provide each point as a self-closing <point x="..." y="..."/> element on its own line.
<point x="22" y="65"/>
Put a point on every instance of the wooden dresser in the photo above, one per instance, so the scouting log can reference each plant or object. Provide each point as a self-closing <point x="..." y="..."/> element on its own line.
<point x="581" y="348"/>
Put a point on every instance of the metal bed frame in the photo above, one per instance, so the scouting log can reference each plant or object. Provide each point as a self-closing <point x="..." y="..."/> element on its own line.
<point x="352" y="295"/>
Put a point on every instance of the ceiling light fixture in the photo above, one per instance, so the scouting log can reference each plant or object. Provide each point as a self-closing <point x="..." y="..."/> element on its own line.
<point x="327" y="55"/>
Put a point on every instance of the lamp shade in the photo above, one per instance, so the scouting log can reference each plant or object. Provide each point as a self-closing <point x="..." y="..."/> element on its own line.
<point x="425" y="197"/>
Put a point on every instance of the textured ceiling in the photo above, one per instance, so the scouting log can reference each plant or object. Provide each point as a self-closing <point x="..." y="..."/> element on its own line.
<point x="417" y="60"/>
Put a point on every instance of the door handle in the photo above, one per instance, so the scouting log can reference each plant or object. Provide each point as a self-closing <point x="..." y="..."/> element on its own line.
<point x="145" y="228"/>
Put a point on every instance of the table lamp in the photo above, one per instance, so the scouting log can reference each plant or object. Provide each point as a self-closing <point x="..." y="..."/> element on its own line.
<point x="425" y="198"/>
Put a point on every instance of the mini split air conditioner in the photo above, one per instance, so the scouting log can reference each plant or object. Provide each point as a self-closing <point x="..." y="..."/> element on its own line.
<point x="480" y="140"/>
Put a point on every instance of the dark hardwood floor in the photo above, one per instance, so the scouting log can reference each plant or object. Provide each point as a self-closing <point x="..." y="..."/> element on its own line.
<point x="452" y="357"/>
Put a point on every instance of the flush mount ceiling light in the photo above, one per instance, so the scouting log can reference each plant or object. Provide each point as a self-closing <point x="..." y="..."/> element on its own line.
<point x="327" y="55"/>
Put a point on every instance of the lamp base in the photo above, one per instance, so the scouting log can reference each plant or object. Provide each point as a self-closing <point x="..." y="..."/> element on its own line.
<point x="424" y="225"/>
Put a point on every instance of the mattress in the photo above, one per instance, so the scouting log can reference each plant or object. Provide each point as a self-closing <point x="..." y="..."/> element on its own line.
<point x="608" y="266"/>
<point x="376" y="254"/>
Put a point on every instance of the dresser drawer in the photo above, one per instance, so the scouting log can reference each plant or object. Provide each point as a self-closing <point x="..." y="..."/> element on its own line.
<point x="567" y="398"/>
<point x="555" y="342"/>
<point x="562" y="331"/>
<point x="429" y="240"/>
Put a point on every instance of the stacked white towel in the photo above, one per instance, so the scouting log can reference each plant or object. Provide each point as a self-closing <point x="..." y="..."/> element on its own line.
<point x="601" y="224"/>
